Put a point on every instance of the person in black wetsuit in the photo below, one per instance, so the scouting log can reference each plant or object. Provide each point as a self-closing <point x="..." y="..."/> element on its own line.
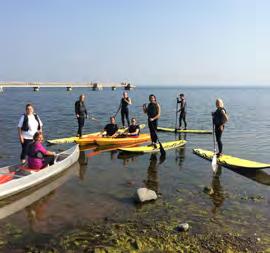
<point x="124" y="103"/>
<point x="220" y="117"/>
<point x="110" y="130"/>
<point x="153" y="113"/>
<point x="133" y="129"/>
<point x="81" y="114"/>
<point x="182" y="110"/>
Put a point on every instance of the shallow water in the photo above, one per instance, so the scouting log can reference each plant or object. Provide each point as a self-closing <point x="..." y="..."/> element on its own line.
<point x="104" y="184"/>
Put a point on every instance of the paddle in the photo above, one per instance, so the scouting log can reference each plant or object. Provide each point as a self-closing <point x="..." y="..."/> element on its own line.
<point x="162" y="150"/>
<point x="176" y="114"/>
<point x="214" y="159"/>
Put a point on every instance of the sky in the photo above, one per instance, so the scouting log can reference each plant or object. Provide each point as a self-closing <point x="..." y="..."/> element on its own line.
<point x="145" y="42"/>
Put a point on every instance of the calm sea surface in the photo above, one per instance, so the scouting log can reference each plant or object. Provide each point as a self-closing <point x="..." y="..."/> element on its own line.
<point x="104" y="184"/>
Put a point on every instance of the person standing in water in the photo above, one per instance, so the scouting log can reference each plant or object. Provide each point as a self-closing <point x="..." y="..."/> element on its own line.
<point x="220" y="117"/>
<point x="81" y="114"/>
<point x="29" y="124"/>
<point x="153" y="113"/>
<point x="124" y="103"/>
<point x="182" y="110"/>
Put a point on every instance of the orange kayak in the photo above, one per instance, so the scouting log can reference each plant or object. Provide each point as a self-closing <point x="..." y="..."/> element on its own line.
<point x="102" y="141"/>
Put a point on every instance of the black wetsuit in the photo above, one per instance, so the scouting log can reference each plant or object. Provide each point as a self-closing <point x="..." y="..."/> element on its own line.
<point x="80" y="110"/>
<point x="124" y="111"/>
<point x="152" y="111"/>
<point x="133" y="129"/>
<point x="111" y="129"/>
<point x="219" y="120"/>
<point x="183" y="112"/>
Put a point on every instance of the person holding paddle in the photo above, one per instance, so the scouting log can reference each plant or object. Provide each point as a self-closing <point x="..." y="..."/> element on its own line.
<point x="124" y="103"/>
<point x="182" y="110"/>
<point x="220" y="117"/>
<point x="153" y="112"/>
<point x="81" y="114"/>
<point x="133" y="130"/>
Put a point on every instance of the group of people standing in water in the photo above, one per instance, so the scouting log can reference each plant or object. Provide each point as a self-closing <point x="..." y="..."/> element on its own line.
<point x="31" y="137"/>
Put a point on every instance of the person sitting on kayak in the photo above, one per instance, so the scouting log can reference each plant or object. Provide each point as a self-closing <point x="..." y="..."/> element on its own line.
<point x="133" y="130"/>
<point x="220" y="117"/>
<point x="111" y="129"/>
<point x="38" y="156"/>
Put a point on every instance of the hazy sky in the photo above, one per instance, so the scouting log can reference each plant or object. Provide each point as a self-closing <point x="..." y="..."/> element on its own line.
<point x="147" y="42"/>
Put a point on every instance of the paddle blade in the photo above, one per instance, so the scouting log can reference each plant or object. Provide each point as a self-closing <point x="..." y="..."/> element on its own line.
<point x="214" y="163"/>
<point x="162" y="150"/>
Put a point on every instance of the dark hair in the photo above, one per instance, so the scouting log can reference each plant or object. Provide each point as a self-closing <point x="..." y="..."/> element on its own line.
<point x="36" y="135"/>
<point x="181" y="95"/>
<point x="112" y="117"/>
<point x="29" y="105"/>
<point x="152" y="95"/>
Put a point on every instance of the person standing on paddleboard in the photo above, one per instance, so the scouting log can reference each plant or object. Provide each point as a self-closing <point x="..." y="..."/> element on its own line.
<point x="29" y="124"/>
<point x="220" y="117"/>
<point x="153" y="113"/>
<point x="124" y="103"/>
<point x="81" y="114"/>
<point x="182" y="101"/>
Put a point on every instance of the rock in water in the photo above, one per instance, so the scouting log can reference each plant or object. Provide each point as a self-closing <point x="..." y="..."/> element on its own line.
<point x="145" y="194"/>
<point x="183" y="227"/>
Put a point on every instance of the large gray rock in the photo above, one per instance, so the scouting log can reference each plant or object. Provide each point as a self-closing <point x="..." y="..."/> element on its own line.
<point x="145" y="194"/>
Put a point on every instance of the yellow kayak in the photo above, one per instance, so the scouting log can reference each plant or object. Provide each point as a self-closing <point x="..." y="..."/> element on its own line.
<point x="102" y="141"/>
<point x="150" y="149"/>
<point x="71" y="139"/>
<point x="230" y="161"/>
<point x="192" y="131"/>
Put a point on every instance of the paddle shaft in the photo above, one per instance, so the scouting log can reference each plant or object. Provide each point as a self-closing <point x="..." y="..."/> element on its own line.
<point x="162" y="150"/>
<point x="176" y="114"/>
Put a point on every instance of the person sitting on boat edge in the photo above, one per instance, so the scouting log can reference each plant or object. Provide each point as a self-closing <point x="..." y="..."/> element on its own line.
<point x="38" y="156"/>
<point x="111" y="129"/>
<point x="133" y="130"/>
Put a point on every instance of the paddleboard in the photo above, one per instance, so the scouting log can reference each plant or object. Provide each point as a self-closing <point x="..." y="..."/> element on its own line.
<point x="231" y="161"/>
<point x="150" y="149"/>
<point x="192" y="131"/>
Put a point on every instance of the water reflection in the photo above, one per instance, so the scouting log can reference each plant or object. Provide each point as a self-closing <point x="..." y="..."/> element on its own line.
<point x="180" y="152"/>
<point x="217" y="193"/>
<point x="258" y="176"/>
<point x="128" y="157"/>
<point x="152" y="181"/>
<point x="83" y="161"/>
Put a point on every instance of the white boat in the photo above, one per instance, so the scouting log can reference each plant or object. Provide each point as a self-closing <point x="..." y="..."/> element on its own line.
<point x="27" y="198"/>
<point x="28" y="179"/>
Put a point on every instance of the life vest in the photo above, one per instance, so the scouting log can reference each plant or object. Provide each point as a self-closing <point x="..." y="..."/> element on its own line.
<point x="25" y="126"/>
<point x="219" y="118"/>
<point x="34" y="154"/>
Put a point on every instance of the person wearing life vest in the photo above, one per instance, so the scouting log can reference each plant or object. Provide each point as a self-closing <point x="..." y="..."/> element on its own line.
<point x="153" y="112"/>
<point x="29" y="124"/>
<point x="38" y="156"/>
<point x="133" y="130"/>
<point x="111" y="129"/>
<point x="220" y="117"/>
<point x="182" y="110"/>
<point x="81" y="114"/>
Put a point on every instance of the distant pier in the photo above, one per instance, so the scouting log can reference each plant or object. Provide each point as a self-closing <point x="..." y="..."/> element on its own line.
<point x="67" y="85"/>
